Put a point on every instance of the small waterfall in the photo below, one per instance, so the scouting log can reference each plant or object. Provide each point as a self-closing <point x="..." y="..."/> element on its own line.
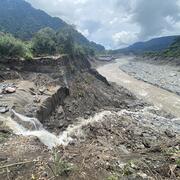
<point x="33" y="121"/>
<point x="43" y="135"/>
<point x="76" y="130"/>
<point x="47" y="138"/>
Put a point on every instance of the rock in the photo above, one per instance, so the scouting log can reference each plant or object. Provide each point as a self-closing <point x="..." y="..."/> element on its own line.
<point x="60" y="111"/>
<point x="155" y="149"/>
<point x="177" y="122"/>
<point x="140" y="146"/>
<point x="37" y="99"/>
<point x="10" y="89"/>
<point x="142" y="175"/>
<point x="42" y="90"/>
<point x="123" y="149"/>
<point x="4" y="109"/>
<point x="3" y="158"/>
<point x="86" y="116"/>
<point x="146" y="143"/>
<point x="44" y="174"/>
<point x="173" y="74"/>
<point x="137" y="132"/>
<point x="170" y="134"/>
<point x="4" y="131"/>
<point x="88" y="113"/>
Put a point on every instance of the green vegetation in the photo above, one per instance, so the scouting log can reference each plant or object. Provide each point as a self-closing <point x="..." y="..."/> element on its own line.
<point x="45" y="42"/>
<point x="178" y="163"/>
<point x="11" y="47"/>
<point x="23" y="21"/>
<point x="3" y="136"/>
<point x="58" y="166"/>
<point x="172" y="51"/>
<point x="113" y="177"/>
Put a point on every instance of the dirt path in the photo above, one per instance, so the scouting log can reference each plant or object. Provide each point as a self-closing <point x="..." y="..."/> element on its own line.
<point x="161" y="98"/>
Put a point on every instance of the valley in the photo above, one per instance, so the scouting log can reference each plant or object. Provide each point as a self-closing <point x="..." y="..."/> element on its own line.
<point x="89" y="90"/>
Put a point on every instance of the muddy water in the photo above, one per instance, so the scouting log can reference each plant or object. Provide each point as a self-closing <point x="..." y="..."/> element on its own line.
<point x="161" y="98"/>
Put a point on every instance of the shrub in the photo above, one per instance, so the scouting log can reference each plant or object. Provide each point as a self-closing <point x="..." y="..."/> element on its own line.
<point x="12" y="47"/>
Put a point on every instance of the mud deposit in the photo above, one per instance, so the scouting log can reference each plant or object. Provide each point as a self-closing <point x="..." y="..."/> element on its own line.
<point x="70" y="123"/>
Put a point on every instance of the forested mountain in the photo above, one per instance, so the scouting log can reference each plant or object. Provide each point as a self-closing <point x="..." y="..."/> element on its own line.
<point x="23" y="21"/>
<point x="153" y="45"/>
<point x="172" y="51"/>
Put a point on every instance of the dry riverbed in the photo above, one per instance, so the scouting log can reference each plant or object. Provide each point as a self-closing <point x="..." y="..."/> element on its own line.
<point x="163" y="75"/>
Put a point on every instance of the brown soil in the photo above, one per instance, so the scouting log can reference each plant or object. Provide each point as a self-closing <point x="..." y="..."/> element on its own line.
<point x="117" y="146"/>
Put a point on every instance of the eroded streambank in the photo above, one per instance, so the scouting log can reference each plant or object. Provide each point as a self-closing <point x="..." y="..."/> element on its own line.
<point x="99" y="130"/>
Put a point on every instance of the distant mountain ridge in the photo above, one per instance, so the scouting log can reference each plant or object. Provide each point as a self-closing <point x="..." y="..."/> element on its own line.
<point x="19" y="18"/>
<point x="153" y="45"/>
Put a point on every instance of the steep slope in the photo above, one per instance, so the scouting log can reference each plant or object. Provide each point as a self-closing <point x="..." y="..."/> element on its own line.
<point x="23" y="21"/>
<point x="156" y="44"/>
<point x="173" y="50"/>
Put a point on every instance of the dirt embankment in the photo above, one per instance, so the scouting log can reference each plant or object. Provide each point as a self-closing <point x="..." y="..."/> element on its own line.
<point x="57" y="91"/>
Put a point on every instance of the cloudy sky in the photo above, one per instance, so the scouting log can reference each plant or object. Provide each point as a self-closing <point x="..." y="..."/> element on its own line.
<point x="117" y="23"/>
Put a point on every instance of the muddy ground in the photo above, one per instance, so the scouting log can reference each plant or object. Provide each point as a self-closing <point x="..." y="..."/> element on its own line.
<point x="113" y="134"/>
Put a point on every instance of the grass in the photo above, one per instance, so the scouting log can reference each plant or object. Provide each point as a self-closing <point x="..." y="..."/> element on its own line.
<point x="3" y="137"/>
<point x="113" y="177"/>
<point x="58" y="166"/>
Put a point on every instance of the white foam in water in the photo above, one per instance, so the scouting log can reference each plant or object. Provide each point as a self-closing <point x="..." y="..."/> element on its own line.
<point x="46" y="137"/>
<point x="76" y="130"/>
<point x="33" y="121"/>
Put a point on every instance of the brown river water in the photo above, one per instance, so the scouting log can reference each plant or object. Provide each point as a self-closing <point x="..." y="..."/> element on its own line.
<point x="159" y="97"/>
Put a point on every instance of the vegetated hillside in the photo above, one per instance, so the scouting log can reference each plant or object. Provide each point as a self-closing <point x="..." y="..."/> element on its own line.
<point x="172" y="51"/>
<point x="23" y="21"/>
<point x="156" y="44"/>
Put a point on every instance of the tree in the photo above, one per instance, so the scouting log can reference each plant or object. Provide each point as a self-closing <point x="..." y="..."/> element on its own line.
<point x="44" y="42"/>
<point x="65" y="41"/>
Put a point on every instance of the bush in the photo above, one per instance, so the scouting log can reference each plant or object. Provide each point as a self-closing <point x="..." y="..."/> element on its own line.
<point x="12" y="47"/>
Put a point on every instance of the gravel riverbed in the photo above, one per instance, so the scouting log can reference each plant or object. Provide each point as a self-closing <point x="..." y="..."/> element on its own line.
<point x="164" y="76"/>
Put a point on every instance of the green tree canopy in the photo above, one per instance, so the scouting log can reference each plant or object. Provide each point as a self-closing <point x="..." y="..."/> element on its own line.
<point x="44" y="42"/>
<point x="12" y="47"/>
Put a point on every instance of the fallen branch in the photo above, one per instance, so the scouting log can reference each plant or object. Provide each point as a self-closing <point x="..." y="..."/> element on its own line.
<point x="16" y="164"/>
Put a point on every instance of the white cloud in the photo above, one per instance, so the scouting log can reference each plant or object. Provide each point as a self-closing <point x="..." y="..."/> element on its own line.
<point x="85" y="32"/>
<point x="124" y="38"/>
<point x="115" y="23"/>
